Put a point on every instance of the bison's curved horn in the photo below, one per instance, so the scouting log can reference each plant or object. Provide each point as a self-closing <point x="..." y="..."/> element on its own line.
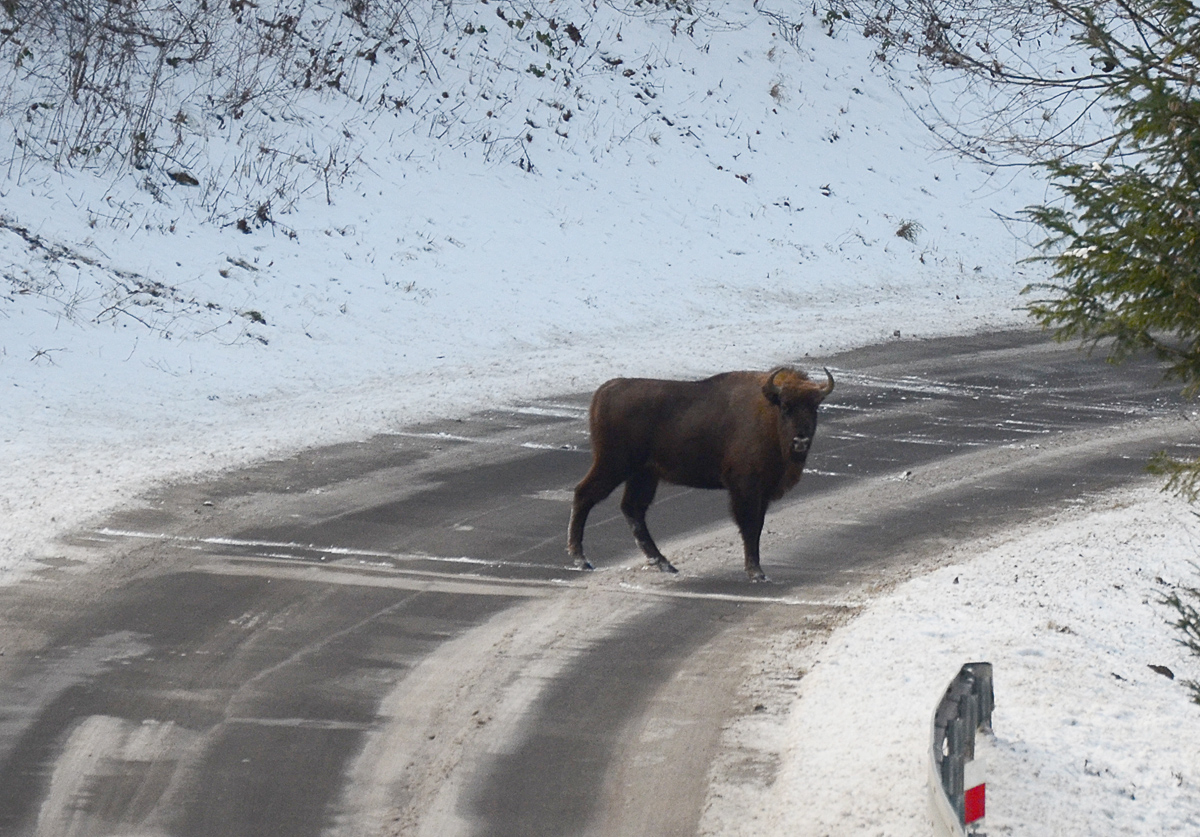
<point x="770" y="388"/>
<point x="828" y="388"/>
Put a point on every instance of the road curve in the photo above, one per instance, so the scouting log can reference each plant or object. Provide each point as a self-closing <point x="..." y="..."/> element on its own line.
<point x="387" y="638"/>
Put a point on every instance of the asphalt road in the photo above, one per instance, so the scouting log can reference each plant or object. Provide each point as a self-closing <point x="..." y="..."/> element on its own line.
<point x="387" y="637"/>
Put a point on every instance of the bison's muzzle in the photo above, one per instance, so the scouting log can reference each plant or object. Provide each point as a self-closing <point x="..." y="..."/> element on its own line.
<point x="800" y="446"/>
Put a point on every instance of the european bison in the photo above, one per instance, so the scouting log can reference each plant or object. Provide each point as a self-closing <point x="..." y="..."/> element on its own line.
<point x="746" y="432"/>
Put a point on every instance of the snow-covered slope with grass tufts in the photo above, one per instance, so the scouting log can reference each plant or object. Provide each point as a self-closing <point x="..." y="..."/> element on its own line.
<point x="505" y="213"/>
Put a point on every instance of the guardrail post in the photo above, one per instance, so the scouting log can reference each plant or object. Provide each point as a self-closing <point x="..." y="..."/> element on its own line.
<point x="956" y="781"/>
<point x="987" y="698"/>
<point x="956" y="733"/>
<point x="968" y="713"/>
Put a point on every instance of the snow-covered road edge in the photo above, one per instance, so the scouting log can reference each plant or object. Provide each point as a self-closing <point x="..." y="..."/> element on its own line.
<point x="1088" y="738"/>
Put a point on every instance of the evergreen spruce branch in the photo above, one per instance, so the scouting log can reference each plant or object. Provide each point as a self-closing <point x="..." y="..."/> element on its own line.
<point x="1183" y="599"/>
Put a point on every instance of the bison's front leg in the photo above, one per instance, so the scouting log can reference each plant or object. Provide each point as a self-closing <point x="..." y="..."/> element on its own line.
<point x="639" y="494"/>
<point x="750" y="510"/>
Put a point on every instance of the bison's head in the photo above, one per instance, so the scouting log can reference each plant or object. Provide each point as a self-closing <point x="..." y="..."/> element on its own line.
<point x="796" y="397"/>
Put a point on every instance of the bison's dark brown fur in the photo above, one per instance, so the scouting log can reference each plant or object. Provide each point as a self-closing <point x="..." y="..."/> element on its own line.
<point x="746" y="432"/>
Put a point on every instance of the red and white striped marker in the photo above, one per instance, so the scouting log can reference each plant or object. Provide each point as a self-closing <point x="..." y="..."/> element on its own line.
<point x="976" y="791"/>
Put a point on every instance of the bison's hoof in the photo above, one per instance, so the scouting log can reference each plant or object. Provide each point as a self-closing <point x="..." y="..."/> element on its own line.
<point x="582" y="563"/>
<point x="759" y="576"/>
<point x="662" y="565"/>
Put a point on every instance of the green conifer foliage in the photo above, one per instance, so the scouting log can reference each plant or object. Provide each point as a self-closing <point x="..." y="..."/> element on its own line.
<point x="1125" y="245"/>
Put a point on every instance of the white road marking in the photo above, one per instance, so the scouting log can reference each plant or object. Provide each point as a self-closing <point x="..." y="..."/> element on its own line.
<point x="735" y="597"/>
<point x="390" y="577"/>
<point x="554" y="411"/>
<point x="484" y="440"/>
<point x="386" y="574"/>
<point x="558" y="495"/>
<point x="303" y="723"/>
<point x="913" y="384"/>
<point x="907" y="440"/>
<point x="321" y="551"/>
<point x="447" y="437"/>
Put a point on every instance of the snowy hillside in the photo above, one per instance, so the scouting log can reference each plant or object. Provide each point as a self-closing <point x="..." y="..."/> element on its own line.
<point x="679" y="199"/>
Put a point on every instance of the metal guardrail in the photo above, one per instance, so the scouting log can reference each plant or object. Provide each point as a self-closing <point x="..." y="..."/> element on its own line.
<point x="956" y="786"/>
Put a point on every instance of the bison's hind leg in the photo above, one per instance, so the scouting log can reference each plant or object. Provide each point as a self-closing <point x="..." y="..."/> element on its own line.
<point x="639" y="494"/>
<point x="593" y="488"/>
